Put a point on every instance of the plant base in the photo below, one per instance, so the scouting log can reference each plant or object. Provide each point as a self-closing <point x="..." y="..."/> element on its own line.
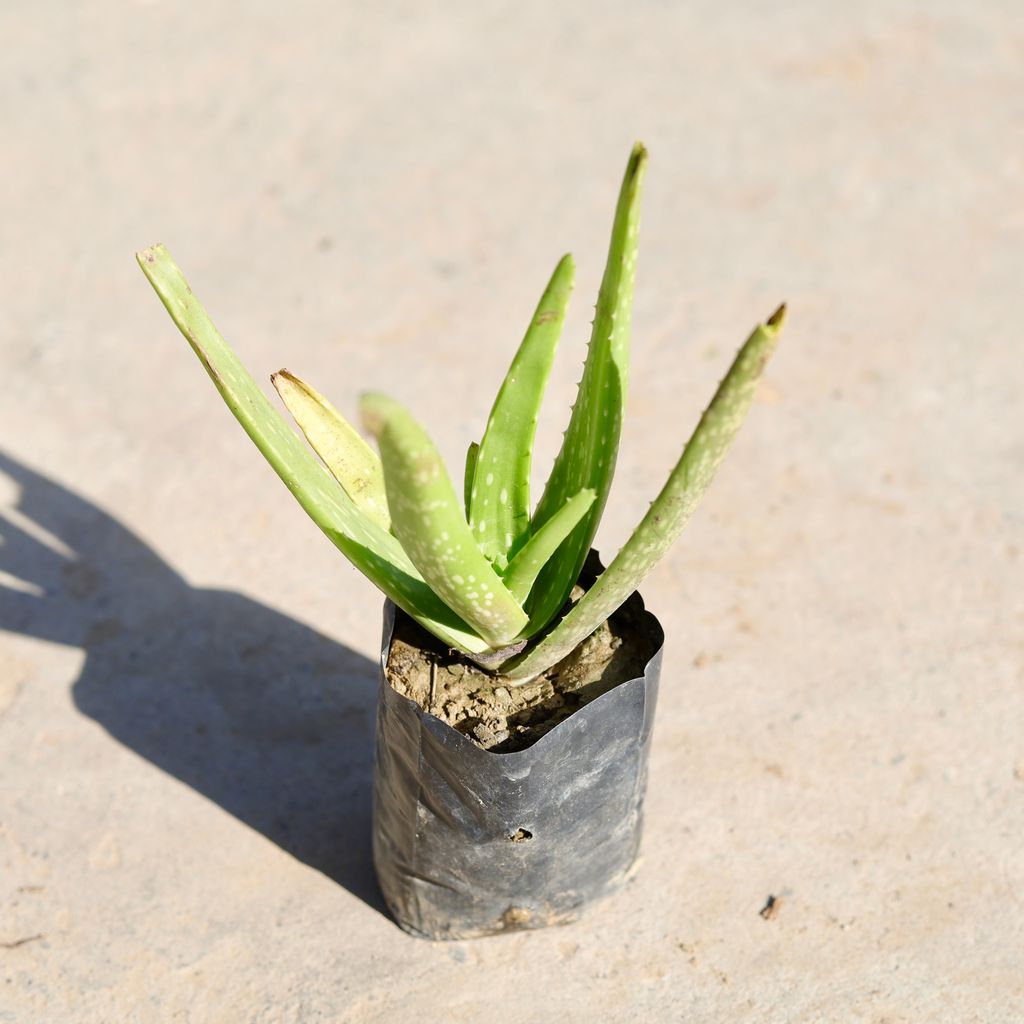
<point x="471" y="842"/>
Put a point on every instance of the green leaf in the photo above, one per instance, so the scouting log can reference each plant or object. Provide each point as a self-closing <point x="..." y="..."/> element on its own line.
<point x="500" y="497"/>
<point x="352" y="462"/>
<point x="373" y="551"/>
<point x="523" y="569"/>
<point x="428" y="520"/>
<point x="669" y="512"/>
<point x="591" y="443"/>
<point x="467" y="486"/>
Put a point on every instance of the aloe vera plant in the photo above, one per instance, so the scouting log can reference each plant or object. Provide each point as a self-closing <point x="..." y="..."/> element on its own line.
<point x="483" y="573"/>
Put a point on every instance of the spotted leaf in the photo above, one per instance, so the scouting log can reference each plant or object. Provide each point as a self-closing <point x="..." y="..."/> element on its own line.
<point x="591" y="443"/>
<point x="669" y="512"/>
<point x="429" y="523"/>
<point x="500" y="496"/>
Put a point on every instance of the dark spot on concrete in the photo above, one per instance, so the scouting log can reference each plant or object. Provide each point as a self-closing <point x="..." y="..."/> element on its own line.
<point x="20" y="942"/>
<point x="770" y="908"/>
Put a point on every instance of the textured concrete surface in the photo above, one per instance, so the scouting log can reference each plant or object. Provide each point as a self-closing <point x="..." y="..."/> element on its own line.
<point x="373" y="195"/>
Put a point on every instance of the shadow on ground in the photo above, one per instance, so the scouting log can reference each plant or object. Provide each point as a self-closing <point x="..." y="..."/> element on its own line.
<point x="261" y="714"/>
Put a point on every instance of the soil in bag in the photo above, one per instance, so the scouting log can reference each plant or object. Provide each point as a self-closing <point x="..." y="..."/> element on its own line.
<point x="503" y="717"/>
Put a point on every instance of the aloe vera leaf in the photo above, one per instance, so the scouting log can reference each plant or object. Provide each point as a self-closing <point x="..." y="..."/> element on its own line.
<point x="591" y="443"/>
<point x="499" y="507"/>
<point x="352" y="462"/>
<point x="373" y="551"/>
<point x="429" y="523"/>
<point x="669" y="512"/>
<point x="526" y="565"/>
<point x="467" y="487"/>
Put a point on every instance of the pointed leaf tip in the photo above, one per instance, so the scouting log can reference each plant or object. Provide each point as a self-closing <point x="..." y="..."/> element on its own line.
<point x="777" y="319"/>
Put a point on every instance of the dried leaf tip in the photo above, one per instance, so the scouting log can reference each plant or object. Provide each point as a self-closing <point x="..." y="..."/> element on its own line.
<point x="777" y="319"/>
<point x="635" y="168"/>
<point x="150" y="253"/>
<point x="291" y="378"/>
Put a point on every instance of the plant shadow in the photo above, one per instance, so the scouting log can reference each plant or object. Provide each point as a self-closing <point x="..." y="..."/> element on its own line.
<point x="265" y="716"/>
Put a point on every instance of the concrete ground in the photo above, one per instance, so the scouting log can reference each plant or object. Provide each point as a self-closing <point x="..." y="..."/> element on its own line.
<point x="373" y="196"/>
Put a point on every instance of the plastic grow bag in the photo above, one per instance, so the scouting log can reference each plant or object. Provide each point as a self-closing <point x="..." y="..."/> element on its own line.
<point x="467" y="842"/>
